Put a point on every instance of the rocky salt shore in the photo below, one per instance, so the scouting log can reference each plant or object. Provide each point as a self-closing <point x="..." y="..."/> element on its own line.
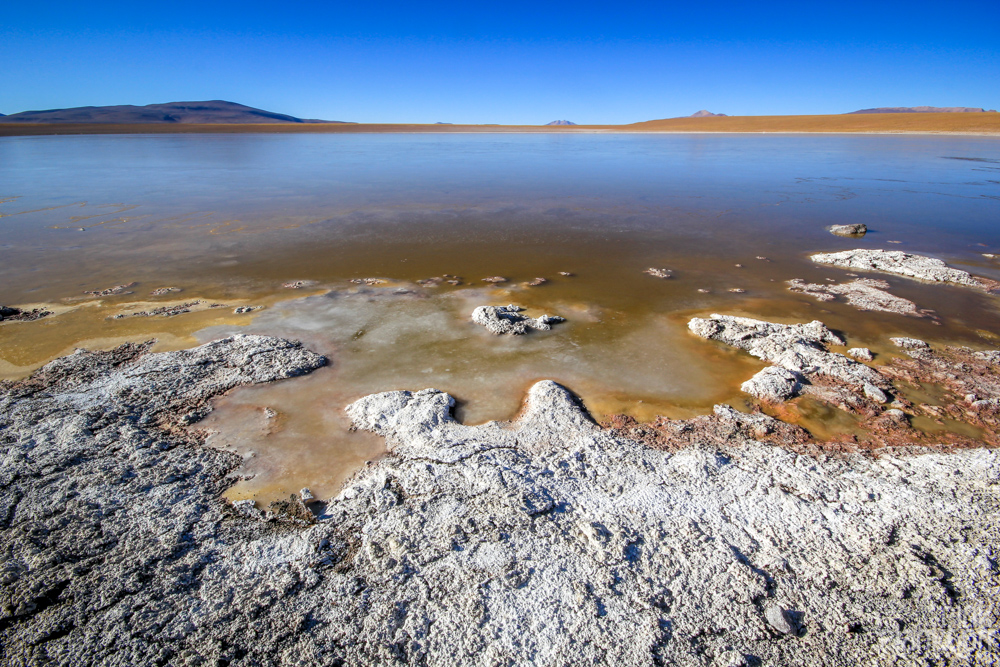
<point x="549" y="540"/>
<point x="797" y="351"/>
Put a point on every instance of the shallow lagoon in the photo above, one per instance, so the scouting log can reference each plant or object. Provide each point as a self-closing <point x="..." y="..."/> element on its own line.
<point x="230" y="218"/>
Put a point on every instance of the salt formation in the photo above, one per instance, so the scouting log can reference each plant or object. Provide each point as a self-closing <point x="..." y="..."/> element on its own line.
<point x="905" y="264"/>
<point x="508" y="320"/>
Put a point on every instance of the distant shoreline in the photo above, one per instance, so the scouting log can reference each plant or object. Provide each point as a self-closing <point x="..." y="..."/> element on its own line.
<point x="987" y="124"/>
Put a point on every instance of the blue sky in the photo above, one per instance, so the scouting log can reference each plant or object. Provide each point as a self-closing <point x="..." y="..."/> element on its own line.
<point x="511" y="62"/>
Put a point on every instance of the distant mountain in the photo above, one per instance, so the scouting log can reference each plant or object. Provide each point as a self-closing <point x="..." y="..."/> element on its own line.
<point x="705" y="114"/>
<point x="561" y="122"/>
<point x="925" y="110"/>
<point x="214" y="111"/>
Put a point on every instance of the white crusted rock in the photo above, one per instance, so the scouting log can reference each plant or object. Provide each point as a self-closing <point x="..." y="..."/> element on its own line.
<point x="799" y="348"/>
<point x="875" y="394"/>
<point x="909" y="343"/>
<point x="861" y="353"/>
<point x="773" y="384"/>
<point x="507" y="320"/>
<point x="897" y="262"/>
<point x="543" y="541"/>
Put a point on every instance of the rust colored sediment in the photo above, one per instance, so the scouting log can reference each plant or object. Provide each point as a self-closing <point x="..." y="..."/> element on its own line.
<point x="969" y="384"/>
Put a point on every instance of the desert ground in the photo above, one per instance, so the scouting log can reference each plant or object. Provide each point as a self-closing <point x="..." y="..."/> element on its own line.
<point x="910" y="123"/>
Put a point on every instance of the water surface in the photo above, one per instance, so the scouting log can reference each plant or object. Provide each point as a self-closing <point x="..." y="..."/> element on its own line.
<point x="230" y="218"/>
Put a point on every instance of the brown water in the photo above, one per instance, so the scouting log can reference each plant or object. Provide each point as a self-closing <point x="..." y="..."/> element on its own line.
<point x="230" y="218"/>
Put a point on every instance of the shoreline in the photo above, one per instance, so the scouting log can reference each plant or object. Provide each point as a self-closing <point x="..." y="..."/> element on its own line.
<point x="952" y="124"/>
<point x="279" y="463"/>
<point x="14" y="132"/>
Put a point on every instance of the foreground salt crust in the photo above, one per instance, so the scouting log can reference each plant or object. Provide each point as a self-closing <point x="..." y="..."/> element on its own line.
<point x="547" y="540"/>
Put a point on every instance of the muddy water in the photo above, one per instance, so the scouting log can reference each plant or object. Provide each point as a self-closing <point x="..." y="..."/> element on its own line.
<point x="229" y="219"/>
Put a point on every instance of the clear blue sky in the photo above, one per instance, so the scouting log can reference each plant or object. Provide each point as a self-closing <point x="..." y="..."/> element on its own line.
<point x="510" y="62"/>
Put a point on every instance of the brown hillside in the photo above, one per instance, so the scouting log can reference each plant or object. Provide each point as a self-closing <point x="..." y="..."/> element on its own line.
<point x="961" y="123"/>
<point x="986" y="123"/>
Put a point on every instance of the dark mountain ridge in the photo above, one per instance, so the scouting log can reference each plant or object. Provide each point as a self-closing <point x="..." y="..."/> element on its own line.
<point x="211" y="111"/>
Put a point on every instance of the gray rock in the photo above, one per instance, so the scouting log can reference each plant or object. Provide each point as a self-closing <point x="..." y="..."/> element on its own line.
<point x="778" y="619"/>
<point x="902" y="263"/>
<point x="849" y="230"/>
<point x="507" y="320"/>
